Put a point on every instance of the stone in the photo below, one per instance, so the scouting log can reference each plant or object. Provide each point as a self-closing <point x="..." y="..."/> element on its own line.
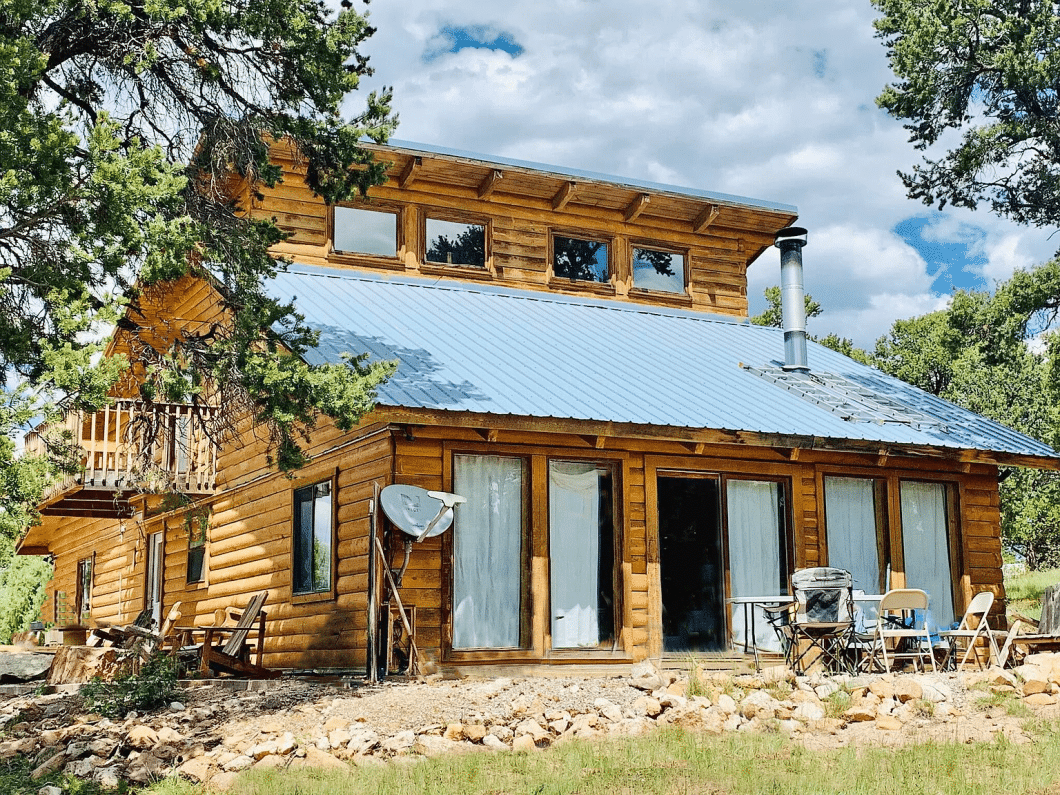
<point x="223" y="782"/>
<point x="286" y="744"/>
<point x="108" y="777"/>
<point x="454" y="732"/>
<point x="102" y="746"/>
<point x="270" y="762"/>
<point x="532" y="728"/>
<point x="524" y="742"/>
<point x="145" y="769"/>
<point x="726" y="703"/>
<point x="670" y="700"/>
<point x="80" y="768"/>
<point x="50" y="737"/>
<point x="49" y="765"/>
<point x="432" y="745"/>
<point x="808" y="711"/>
<point x="860" y="712"/>
<point x="238" y="763"/>
<point x="475" y="732"/>
<point x="882" y="688"/>
<point x="49" y="790"/>
<point x="759" y="704"/>
<point x="1038" y="684"/>
<point x="935" y="692"/>
<point x="261" y="750"/>
<point x="331" y="724"/>
<point x="339" y="738"/>
<point x="141" y="737"/>
<point x="168" y="734"/>
<point x="1040" y="700"/>
<point x="401" y="741"/>
<point x="645" y="676"/>
<point x="23" y="666"/>
<point x="505" y="734"/>
<point x="608" y="709"/>
<point x="907" y="689"/>
<point x="494" y="743"/>
<point x="888" y="723"/>
<point x="196" y="770"/>
<point x="643" y="705"/>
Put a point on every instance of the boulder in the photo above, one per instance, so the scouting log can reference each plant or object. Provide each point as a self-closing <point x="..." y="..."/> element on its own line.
<point x="23" y="666"/>
<point x="196" y="770"/>
<point x="888" y="723"/>
<point x="907" y="689"/>
<point x="645" y="676"/>
<point x="141" y="737"/>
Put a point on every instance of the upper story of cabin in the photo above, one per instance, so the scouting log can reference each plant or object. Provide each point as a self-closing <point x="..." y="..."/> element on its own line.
<point x="453" y="215"/>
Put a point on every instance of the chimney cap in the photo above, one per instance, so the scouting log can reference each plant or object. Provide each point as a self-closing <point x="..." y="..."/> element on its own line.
<point x="790" y="233"/>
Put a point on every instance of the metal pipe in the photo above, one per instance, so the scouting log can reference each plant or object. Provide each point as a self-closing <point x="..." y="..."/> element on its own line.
<point x="793" y="302"/>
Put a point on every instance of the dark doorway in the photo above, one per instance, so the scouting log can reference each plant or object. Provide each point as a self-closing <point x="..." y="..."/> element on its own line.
<point x="692" y="564"/>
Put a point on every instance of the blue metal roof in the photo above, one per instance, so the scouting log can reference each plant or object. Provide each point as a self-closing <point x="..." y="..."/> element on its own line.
<point x="578" y="173"/>
<point x="497" y="350"/>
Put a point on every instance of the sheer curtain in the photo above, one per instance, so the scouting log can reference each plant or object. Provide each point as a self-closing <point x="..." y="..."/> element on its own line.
<point x="574" y="552"/>
<point x="754" y="553"/>
<point x="850" y="513"/>
<point x="925" y="544"/>
<point x="487" y="547"/>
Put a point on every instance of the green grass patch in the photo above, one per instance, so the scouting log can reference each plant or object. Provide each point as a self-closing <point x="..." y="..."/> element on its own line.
<point x="15" y="780"/>
<point x="674" y="762"/>
<point x="1024" y="591"/>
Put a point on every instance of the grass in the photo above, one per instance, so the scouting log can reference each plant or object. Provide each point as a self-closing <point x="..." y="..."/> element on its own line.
<point x="674" y="762"/>
<point x="1024" y="591"/>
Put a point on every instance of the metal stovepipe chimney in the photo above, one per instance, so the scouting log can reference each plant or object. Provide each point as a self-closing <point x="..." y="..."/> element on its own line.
<point x="793" y="303"/>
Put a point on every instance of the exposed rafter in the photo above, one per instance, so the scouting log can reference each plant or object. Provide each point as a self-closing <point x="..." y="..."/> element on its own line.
<point x="409" y="174"/>
<point x="489" y="184"/>
<point x="564" y="195"/>
<point x="636" y="207"/>
<point x="706" y="217"/>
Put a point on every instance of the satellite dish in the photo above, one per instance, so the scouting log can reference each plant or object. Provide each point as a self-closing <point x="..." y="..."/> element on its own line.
<point x="418" y="512"/>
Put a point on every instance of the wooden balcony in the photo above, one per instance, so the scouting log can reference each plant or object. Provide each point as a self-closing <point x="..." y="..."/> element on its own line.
<point x="128" y="448"/>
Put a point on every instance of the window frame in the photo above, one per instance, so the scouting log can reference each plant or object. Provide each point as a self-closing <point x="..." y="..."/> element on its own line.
<point x="607" y="286"/>
<point x="198" y="547"/>
<point x="615" y="467"/>
<point x="455" y="217"/>
<point x="329" y="593"/>
<point x="395" y="260"/>
<point x="672" y="295"/>
<point x="82" y="612"/>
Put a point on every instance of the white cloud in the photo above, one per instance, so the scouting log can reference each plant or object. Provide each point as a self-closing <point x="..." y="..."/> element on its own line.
<point x="767" y="99"/>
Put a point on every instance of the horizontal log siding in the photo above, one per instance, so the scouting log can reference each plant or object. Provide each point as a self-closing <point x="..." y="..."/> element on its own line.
<point x="520" y="216"/>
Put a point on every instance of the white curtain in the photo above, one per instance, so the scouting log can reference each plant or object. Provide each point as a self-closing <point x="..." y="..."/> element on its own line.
<point x="850" y="514"/>
<point x="754" y="554"/>
<point x="487" y="544"/>
<point x="925" y="544"/>
<point x="574" y="552"/>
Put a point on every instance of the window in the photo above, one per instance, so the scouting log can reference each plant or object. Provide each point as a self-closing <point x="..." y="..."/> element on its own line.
<point x="83" y="610"/>
<point x="197" y="525"/>
<point x="455" y="243"/>
<point x="580" y="260"/>
<point x="489" y="551"/>
<point x="662" y="271"/>
<point x="312" y="539"/>
<point x="581" y="544"/>
<point x="758" y="562"/>
<point x="926" y="545"/>
<point x="857" y="530"/>
<point x="362" y="231"/>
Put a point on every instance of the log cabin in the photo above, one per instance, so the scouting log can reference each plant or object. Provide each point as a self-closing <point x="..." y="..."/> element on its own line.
<point x="575" y="359"/>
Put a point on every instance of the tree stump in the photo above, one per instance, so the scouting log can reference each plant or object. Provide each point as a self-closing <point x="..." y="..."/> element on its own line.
<point x="1049" y="624"/>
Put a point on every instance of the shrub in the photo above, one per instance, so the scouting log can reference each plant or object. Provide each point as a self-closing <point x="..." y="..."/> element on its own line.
<point x="153" y="686"/>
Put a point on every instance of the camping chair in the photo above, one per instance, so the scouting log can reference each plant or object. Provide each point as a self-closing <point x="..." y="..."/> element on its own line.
<point x="818" y="624"/>
<point x="899" y="612"/>
<point x="972" y="629"/>
<point x="233" y="656"/>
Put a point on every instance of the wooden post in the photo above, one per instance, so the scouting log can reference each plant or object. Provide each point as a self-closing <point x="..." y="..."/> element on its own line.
<point x="373" y="606"/>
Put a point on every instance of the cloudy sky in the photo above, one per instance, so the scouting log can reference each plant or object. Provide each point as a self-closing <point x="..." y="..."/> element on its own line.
<point x="757" y="98"/>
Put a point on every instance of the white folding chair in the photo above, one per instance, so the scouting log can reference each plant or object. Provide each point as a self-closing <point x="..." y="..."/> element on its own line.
<point x="897" y="622"/>
<point x="972" y="629"/>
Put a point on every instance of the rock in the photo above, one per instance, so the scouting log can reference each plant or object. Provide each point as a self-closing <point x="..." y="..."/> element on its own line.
<point x="644" y="705"/>
<point x="888" y="723"/>
<point x="169" y="735"/>
<point x="223" y="782"/>
<point x="141" y="737"/>
<point x="907" y="689"/>
<point x="726" y="703"/>
<point x="49" y="790"/>
<point x="454" y="732"/>
<point x="670" y="700"/>
<point x="176" y="706"/>
<point x="108" y="777"/>
<point x="759" y="704"/>
<point x="533" y="729"/>
<point x="882" y="688"/>
<point x="102" y="746"/>
<point x="286" y="744"/>
<point x="50" y="765"/>
<point x="860" y="712"/>
<point x="808" y="711"/>
<point x="475" y="732"/>
<point x="238" y="763"/>
<point x="494" y="743"/>
<point x="145" y="769"/>
<point x="23" y="666"/>
<point x="645" y="676"/>
<point x="431" y="745"/>
<point x="608" y="709"/>
<point x="270" y="762"/>
<point x="331" y="724"/>
<point x="80" y="768"/>
<point x="524" y="742"/>
<point x="678" y="688"/>
<point x="825" y="689"/>
<point x="503" y="733"/>
<point x="50" y="738"/>
<point x="1040" y="700"/>
<point x="261" y="750"/>
<point x="339" y="738"/>
<point x="401" y="741"/>
<point x="935" y="692"/>
<point x="196" y="770"/>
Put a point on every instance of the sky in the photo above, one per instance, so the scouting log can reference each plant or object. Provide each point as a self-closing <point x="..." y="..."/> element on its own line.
<point x="762" y="99"/>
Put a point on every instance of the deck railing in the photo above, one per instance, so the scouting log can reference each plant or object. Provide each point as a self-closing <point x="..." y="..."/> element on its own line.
<point x="132" y="445"/>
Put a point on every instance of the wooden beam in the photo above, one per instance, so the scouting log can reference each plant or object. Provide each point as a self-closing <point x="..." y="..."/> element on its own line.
<point x="794" y="454"/>
<point x="409" y="174"/>
<point x="564" y="195"/>
<point x="489" y="184"/>
<point x="32" y="551"/>
<point x="488" y="434"/>
<point x="636" y="207"/>
<point x="705" y="218"/>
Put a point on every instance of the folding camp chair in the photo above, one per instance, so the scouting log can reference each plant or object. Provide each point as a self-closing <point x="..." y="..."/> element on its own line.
<point x="898" y="616"/>
<point x="817" y="625"/>
<point x="972" y="629"/>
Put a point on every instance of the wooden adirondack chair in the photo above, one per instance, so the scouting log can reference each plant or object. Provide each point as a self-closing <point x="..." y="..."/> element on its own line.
<point x="233" y="656"/>
<point x="118" y="635"/>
